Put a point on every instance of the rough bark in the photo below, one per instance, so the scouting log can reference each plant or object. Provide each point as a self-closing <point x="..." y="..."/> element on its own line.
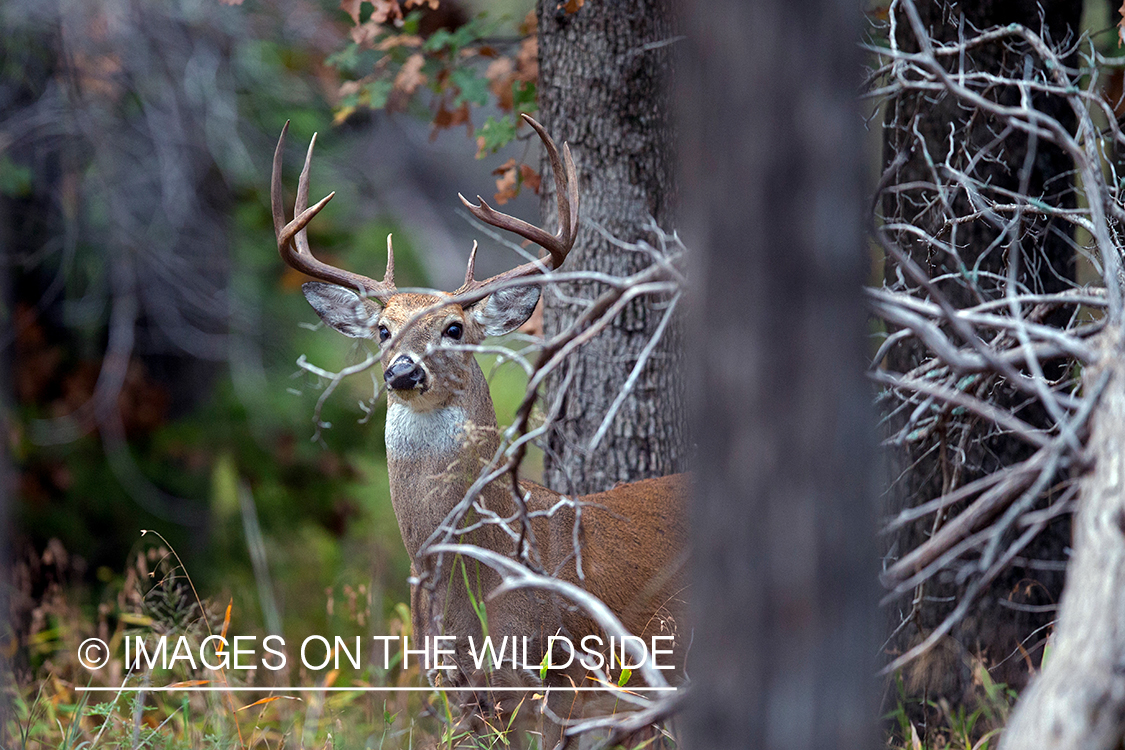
<point x="604" y="77"/>
<point x="1078" y="701"/>
<point x="783" y="504"/>
<point x="993" y="631"/>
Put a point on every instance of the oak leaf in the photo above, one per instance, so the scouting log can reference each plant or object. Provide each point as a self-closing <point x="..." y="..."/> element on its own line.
<point x="385" y="10"/>
<point x="506" y="186"/>
<point x="500" y="73"/>
<point x="351" y="7"/>
<point x="527" y="59"/>
<point x="365" y="33"/>
<point x="530" y="177"/>
<point x="410" y="76"/>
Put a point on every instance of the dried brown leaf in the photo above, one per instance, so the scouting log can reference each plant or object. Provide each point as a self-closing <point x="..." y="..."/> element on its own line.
<point x="399" y="40"/>
<point x="506" y="185"/>
<point x="446" y="118"/>
<point x="527" y="59"/>
<point x="351" y="7"/>
<point x="385" y="10"/>
<point x="530" y="24"/>
<point x="410" y="76"/>
<point x="507" y="166"/>
<point x="530" y="177"/>
<point x="500" y="74"/>
<point x="365" y="33"/>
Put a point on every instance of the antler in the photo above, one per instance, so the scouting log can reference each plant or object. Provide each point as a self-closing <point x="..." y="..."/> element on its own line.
<point x="558" y="245"/>
<point x="292" y="238"/>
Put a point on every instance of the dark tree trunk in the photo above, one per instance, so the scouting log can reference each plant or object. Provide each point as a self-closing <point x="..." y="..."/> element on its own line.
<point x="604" y="83"/>
<point x="992" y="631"/>
<point x="784" y="560"/>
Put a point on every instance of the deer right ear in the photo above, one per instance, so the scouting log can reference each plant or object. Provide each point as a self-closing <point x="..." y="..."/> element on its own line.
<point x="343" y="309"/>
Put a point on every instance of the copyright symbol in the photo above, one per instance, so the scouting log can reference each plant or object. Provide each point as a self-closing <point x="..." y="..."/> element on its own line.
<point x="93" y="653"/>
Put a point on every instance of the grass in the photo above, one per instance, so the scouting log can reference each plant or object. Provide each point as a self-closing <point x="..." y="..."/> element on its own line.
<point x="44" y="707"/>
<point x="974" y="725"/>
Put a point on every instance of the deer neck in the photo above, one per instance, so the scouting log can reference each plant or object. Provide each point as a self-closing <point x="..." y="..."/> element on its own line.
<point x="434" y="455"/>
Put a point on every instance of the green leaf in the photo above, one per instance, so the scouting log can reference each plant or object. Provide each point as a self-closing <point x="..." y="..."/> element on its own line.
<point x="473" y="88"/>
<point x="624" y="678"/>
<point x="377" y="93"/>
<point x="412" y="22"/>
<point x="437" y="41"/>
<point x="524" y="96"/>
<point x="496" y="134"/>
<point x="543" y="666"/>
<point x="346" y="60"/>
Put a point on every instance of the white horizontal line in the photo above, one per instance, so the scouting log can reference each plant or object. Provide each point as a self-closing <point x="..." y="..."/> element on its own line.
<point x="299" y="689"/>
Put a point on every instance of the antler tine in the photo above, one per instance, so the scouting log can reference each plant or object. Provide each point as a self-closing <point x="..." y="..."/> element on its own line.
<point x="471" y="267"/>
<point x="292" y="237"/>
<point x="557" y="245"/>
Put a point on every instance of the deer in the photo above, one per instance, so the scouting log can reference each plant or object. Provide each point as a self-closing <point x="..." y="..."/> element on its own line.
<point x="441" y="429"/>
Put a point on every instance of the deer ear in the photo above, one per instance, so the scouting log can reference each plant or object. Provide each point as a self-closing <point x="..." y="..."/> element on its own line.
<point x="343" y="309"/>
<point x="505" y="310"/>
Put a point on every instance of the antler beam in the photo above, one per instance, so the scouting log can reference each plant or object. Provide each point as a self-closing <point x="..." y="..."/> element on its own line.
<point x="558" y="245"/>
<point x="292" y="237"/>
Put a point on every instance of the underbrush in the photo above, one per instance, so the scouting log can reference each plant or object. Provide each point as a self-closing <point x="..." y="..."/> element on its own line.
<point x="919" y="723"/>
<point x="50" y="699"/>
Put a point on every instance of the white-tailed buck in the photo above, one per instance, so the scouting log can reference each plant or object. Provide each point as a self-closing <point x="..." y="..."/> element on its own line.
<point x="441" y="429"/>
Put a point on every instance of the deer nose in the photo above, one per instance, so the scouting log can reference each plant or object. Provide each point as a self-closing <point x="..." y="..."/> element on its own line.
<point x="404" y="374"/>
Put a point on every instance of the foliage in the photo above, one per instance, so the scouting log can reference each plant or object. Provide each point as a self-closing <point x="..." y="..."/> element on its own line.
<point x="973" y="724"/>
<point x="156" y="596"/>
<point x="419" y="56"/>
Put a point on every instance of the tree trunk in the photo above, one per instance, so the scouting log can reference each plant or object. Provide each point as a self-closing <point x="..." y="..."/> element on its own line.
<point x="604" y="80"/>
<point x="1078" y="701"/>
<point x="783" y="514"/>
<point x="920" y="473"/>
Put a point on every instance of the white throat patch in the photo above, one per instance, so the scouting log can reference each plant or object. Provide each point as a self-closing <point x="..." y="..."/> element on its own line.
<point x="437" y="431"/>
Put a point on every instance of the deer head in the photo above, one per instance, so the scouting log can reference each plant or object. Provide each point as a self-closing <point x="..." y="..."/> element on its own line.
<point x="424" y="334"/>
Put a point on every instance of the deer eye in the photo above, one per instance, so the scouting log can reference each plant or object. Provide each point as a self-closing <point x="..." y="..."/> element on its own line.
<point x="454" y="331"/>
<point x="384" y="333"/>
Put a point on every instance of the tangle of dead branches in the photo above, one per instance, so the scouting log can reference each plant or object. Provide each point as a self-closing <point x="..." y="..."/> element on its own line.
<point x="996" y="352"/>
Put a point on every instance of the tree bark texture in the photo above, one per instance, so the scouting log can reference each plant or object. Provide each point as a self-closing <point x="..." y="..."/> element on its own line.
<point x="604" y="79"/>
<point x="1048" y="265"/>
<point x="783" y="507"/>
<point x="1078" y="701"/>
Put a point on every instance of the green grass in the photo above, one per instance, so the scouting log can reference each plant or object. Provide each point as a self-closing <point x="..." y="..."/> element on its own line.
<point x="49" y="710"/>
<point x="974" y="725"/>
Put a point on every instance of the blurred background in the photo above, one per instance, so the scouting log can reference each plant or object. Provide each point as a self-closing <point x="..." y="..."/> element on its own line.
<point x="151" y="332"/>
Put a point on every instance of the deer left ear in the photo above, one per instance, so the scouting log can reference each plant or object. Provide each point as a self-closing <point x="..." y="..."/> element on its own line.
<point x="505" y="310"/>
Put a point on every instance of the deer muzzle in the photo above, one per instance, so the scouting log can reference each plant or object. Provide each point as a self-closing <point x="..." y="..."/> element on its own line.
<point x="404" y="374"/>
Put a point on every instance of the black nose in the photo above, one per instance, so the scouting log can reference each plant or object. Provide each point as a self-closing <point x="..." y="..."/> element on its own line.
<point x="404" y="374"/>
